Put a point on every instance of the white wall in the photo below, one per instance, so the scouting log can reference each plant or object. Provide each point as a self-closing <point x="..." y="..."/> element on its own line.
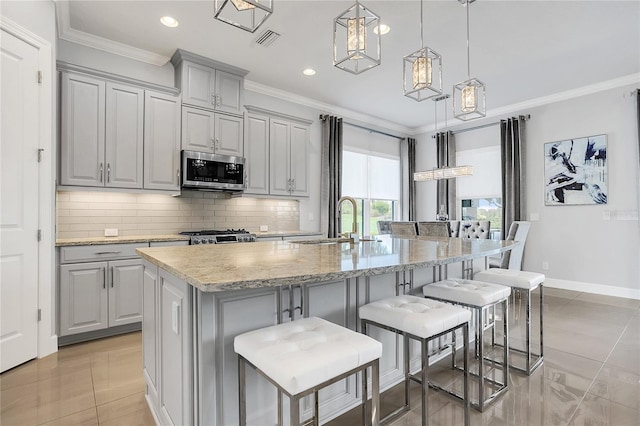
<point x="584" y="251"/>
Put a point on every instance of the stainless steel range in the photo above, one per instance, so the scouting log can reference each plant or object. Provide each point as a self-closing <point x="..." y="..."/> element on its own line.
<point x="220" y="237"/>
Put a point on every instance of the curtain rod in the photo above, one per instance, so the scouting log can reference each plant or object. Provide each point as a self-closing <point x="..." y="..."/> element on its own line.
<point x="324" y="117"/>
<point x="482" y="126"/>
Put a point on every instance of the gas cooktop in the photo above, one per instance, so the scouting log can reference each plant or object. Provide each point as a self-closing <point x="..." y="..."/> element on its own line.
<point x="213" y="236"/>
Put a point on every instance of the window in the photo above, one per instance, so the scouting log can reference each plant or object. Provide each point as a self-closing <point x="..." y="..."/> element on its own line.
<point x="370" y="174"/>
<point x="484" y="209"/>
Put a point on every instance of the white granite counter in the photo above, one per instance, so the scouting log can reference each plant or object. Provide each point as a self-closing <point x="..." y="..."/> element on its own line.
<point x="222" y="267"/>
<point x="88" y="241"/>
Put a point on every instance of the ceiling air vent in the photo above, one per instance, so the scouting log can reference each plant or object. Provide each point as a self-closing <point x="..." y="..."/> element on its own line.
<point x="267" y="38"/>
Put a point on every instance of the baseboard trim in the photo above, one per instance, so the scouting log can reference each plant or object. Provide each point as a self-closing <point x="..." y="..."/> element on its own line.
<point x="606" y="290"/>
<point x="98" y="334"/>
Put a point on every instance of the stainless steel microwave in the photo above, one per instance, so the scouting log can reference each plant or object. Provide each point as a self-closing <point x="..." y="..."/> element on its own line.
<point x="206" y="171"/>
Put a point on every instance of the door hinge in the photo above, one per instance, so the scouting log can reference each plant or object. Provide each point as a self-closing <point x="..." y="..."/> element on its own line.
<point x="39" y="77"/>
<point x="40" y="151"/>
<point x="39" y="314"/>
<point x="39" y="234"/>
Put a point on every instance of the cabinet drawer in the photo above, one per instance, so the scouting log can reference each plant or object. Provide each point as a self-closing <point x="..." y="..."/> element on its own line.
<point x="99" y="252"/>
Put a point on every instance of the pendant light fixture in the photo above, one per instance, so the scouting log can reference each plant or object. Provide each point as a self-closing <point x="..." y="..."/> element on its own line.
<point x="245" y="14"/>
<point x="469" y="95"/>
<point x="422" y="71"/>
<point x="442" y="172"/>
<point x="356" y="39"/>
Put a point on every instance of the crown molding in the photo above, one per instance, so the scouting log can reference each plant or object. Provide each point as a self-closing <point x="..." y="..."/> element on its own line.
<point x="65" y="32"/>
<point x="550" y="99"/>
<point x="324" y="107"/>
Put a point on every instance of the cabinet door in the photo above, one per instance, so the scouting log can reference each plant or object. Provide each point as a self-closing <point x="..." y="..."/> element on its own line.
<point x="82" y="126"/>
<point x="299" y="159"/>
<point x="150" y="330"/>
<point x="237" y="313"/>
<point x="83" y="297"/>
<point x="123" y="136"/>
<point x="229" y="133"/>
<point x="176" y="362"/>
<point x="256" y="151"/>
<point x="161" y="141"/>
<point x="125" y="292"/>
<point x="198" y="85"/>
<point x="229" y="89"/>
<point x="197" y="130"/>
<point x="279" y="148"/>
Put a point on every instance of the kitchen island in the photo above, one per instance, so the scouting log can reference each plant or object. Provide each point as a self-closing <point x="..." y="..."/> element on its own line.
<point x="198" y="298"/>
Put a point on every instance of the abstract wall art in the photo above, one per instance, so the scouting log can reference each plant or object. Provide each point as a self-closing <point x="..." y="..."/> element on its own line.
<point x="575" y="171"/>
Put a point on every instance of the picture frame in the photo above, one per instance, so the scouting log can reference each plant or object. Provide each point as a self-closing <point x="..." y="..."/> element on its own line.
<point x="575" y="171"/>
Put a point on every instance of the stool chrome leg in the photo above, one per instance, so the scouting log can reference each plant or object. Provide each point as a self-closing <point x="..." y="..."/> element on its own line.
<point x="294" y="410"/>
<point x="466" y="401"/>
<point x="425" y="382"/>
<point x="407" y="373"/>
<point x="242" y="403"/>
<point x="375" y="393"/>
<point x="480" y="346"/>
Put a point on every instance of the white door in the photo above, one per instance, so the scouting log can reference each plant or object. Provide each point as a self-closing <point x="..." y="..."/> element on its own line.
<point x="18" y="202"/>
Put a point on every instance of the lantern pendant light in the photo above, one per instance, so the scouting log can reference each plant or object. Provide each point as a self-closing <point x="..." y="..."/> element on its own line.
<point x="469" y="95"/>
<point x="245" y="14"/>
<point x="422" y="71"/>
<point x="356" y="39"/>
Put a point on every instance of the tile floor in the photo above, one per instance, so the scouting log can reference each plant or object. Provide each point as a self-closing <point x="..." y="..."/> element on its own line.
<point x="590" y="376"/>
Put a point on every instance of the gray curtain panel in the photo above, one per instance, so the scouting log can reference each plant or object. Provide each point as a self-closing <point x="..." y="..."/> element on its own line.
<point x="331" y="172"/>
<point x="411" y="168"/>
<point x="638" y="111"/>
<point x="446" y="193"/>
<point x="512" y="140"/>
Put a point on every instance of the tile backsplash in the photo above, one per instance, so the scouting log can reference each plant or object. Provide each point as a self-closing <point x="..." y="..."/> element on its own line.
<point x="87" y="214"/>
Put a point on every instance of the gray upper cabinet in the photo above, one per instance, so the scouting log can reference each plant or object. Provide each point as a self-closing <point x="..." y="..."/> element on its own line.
<point x="162" y="141"/>
<point x="123" y="136"/>
<point x="209" y="84"/>
<point x="82" y="130"/>
<point x="101" y="128"/>
<point x="117" y="132"/>
<point x="277" y="153"/>
<point x="208" y="131"/>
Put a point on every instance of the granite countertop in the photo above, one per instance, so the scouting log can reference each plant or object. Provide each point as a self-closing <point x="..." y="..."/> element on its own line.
<point x="223" y="267"/>
<point x="89" y="241"/>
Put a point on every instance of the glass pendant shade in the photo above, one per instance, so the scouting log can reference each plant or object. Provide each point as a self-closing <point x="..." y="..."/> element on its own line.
<point x="469" y="100"/>
<point x="422" y="74"/>
<point x="245" y="14"/>
<point x="356" y="46"/>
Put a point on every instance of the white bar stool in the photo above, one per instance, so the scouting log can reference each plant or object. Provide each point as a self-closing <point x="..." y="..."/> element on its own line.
<point x="481" y="298"/>
<point x="423" y="320"/>
<point x="303" y="356"/>
<point x="522" y="281"/>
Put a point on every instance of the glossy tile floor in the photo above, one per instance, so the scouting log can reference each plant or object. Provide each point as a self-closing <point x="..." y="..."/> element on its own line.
<point x="590" y="376"/>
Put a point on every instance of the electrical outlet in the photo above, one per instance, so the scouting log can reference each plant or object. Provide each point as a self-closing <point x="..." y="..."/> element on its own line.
<point x="534" y="217"/>
<point x="545" y="265"/>
<point x="111" y="232"/>
<point x="264" y="228"/>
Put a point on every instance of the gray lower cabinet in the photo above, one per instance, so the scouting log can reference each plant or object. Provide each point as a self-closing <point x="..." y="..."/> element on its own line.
<point x="98" y="295"/>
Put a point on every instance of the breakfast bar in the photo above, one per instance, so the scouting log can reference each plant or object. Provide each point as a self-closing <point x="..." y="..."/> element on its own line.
<point x="197" y="299"/>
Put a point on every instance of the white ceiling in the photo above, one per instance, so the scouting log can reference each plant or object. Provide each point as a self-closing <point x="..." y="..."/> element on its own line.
<point x="522" y="50"/>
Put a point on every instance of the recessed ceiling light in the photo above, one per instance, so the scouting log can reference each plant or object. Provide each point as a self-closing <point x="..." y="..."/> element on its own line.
<point x="169" y="21"/>
<point x="309" y="71"/>
<point x="383" y="29"/>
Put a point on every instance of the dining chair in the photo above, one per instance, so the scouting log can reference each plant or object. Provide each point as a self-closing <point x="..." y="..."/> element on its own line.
<point x="404" y="229"/>
<point x="434" y="229"/>
<point x="512" y="259"/>
<point x="475" y="229"/>
<point x="455" y="228"/>
<point x="384" y="226"/>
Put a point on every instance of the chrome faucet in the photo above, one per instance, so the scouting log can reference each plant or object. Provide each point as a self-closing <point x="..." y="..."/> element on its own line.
<point x="355" y="212"/>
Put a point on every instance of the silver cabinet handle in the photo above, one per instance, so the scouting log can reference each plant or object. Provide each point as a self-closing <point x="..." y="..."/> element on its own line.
<point x="101" y="171"/>
<point x="219" y="102"/>
<point x="214" y="99"/>
<point x="213" y="145"/>
<point x="112" y="277"/>
<point x="108" y="172"/>
<point x="104" y="277"/>
<point x="107" y="252"/>
<point x="246" y="178"/>
<point x="178" y="175"/>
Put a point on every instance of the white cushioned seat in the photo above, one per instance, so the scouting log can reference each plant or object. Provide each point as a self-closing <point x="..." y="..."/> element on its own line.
<point x="512" y="278"/>
<point x="468" y="292"/>
<point x="302" y="354"/>
<point x="415" y="315"/>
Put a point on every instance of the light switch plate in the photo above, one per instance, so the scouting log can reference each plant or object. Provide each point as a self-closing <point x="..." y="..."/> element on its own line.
<point x="534" y="217"/>
<point x="111" y="232"/>
<point x="264" y="228"/>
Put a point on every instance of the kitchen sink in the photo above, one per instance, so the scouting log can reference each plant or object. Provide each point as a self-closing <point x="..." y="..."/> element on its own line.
<point x="328" y="241"/>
